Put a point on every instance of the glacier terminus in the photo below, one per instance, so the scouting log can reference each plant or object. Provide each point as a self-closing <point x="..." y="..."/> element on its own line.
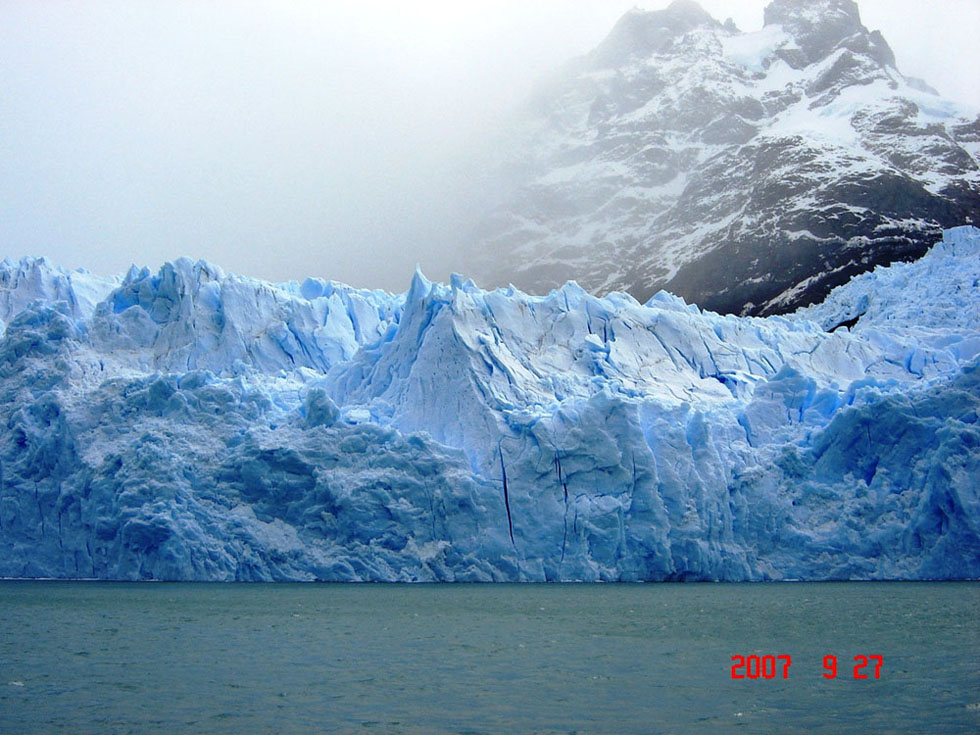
<point x="191" y="424"/>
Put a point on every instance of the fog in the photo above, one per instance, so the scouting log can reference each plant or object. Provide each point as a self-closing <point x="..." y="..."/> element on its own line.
<point x="285" y="139"/>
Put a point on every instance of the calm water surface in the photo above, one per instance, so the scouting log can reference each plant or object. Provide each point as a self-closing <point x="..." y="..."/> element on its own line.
<point x="84" y="657"/>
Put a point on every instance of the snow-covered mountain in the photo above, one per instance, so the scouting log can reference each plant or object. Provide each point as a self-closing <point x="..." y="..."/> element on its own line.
<point x="193" y="424"/>
<point x="747" y="172"/>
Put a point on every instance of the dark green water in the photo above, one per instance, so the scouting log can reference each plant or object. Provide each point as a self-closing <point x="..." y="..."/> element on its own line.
<point x="116" y="658"/>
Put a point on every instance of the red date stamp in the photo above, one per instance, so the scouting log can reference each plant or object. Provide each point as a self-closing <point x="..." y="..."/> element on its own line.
<point x="773" y="666"/>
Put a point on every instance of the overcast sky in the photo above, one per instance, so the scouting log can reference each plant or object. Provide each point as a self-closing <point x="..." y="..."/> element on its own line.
<point x="286" y="139"/>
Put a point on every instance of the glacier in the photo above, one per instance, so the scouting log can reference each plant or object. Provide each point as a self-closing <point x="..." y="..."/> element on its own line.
<point x="192" y="424"/>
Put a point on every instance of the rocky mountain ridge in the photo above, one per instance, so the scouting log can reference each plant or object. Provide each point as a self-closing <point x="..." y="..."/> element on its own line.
<point x="747" y="172"/>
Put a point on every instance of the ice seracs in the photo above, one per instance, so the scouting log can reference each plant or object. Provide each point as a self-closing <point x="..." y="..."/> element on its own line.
<point x="193" y="424"/>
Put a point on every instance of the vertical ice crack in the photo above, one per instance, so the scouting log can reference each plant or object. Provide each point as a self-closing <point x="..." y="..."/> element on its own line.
<point x="503" y="474"/>
<point x="564" y="487"/>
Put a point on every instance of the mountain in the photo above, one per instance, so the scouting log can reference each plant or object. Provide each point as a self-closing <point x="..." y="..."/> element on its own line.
<point x="193" y="424"/>
<point x="746" y="172"/>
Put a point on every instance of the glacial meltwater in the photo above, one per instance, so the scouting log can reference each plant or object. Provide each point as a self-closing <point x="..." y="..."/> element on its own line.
<point x="88" y="657"/>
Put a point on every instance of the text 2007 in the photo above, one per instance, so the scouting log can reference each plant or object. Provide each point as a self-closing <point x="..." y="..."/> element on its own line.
<point x="771" y="667"/>
<point x="756" y="666"/>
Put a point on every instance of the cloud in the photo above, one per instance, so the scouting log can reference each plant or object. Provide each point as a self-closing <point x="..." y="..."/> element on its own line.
<point x="290" y="139"/>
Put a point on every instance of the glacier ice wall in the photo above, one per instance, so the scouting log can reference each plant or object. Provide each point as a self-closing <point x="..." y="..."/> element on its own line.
<point x="192" y="424"/>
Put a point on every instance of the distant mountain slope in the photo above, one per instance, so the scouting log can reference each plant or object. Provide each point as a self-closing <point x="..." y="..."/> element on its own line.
<point x="746" y="172"/>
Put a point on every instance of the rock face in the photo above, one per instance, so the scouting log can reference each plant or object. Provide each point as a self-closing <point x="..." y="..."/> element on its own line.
<point x="746" y="172"/>
<point x="192" y="424"/>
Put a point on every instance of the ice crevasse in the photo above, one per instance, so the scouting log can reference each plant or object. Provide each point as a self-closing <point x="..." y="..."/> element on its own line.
<point x="192" y="424"/>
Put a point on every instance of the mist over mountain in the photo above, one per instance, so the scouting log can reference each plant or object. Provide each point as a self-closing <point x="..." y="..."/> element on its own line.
<point x="746" y="172"/>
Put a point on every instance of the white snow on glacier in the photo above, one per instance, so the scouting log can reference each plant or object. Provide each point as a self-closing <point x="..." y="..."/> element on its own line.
<point x="193" y="424"/>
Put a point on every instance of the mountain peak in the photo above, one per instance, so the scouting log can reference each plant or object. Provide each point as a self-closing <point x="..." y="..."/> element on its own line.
<point x="821" y="26"/>
<point x="813" y="12"/>
<point x="641" y="33"/>
<point x="689" y="9"/>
